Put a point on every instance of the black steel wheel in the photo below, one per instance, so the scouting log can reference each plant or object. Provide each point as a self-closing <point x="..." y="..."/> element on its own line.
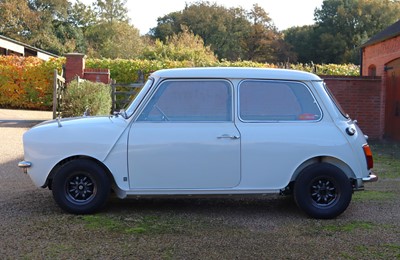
<point x="323" y="191"/>
<point x="81" y="186"/>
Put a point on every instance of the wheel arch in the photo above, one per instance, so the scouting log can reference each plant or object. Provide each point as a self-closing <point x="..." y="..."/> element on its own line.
<point x="323" y="190"/>
<point x="325" y="159"/>
<point x="60" y="164"/>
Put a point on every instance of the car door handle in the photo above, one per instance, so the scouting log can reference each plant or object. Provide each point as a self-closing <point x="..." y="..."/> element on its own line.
<point x="228" y="136"/>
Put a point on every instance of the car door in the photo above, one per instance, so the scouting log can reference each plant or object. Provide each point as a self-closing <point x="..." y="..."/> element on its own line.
<point x="281" y="126"/>
<point x="185" y="138"/>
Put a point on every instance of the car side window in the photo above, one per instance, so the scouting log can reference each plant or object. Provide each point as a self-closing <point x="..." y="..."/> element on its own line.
<point x="276" y="101"/>
<point x="190" y="100"/>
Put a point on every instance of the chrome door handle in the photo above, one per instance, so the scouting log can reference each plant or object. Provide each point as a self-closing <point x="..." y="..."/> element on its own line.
<point x="228" y="136"/>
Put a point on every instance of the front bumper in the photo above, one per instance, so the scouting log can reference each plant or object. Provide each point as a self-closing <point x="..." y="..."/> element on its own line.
<point x="24" y="165"/>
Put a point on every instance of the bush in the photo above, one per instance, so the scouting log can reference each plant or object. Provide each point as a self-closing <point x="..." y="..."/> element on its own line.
<point x="83" y="95"/>
<point x="126" y="71"/>
<point x="27" y="82"/>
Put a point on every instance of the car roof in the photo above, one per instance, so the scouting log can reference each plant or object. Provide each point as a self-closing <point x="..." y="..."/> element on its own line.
<point x="236" y="72"/>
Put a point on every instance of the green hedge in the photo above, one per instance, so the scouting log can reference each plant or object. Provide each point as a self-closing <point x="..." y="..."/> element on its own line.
<point x="126" y="71"/>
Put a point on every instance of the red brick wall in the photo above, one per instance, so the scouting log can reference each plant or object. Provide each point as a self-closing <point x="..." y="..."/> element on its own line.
<point x="74" y="66"/>
<point x="362" y="98"/>
<point x="97" y="75"/>
<point x="380" y="54"/>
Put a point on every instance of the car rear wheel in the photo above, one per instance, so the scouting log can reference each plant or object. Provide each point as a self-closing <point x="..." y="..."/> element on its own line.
<point x="323" y="191"/>
<point x="81" y="187"/>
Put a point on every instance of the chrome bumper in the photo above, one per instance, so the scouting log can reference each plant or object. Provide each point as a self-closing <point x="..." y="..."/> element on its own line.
<point x="370" y="178"/>
<point x="24" y="165"/>
<point x="359" y="183"/>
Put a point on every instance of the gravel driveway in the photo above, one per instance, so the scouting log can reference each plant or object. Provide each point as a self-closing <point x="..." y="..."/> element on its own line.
<point x="33" y="227"/>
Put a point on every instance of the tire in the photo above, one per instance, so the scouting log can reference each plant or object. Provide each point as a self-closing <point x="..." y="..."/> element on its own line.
<point x="81" y="187"/>
<point x="323" y="191"/>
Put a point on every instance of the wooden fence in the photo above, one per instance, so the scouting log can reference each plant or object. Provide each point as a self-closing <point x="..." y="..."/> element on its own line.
<point x="123" y="94"/>
<point x="58" y="91"/>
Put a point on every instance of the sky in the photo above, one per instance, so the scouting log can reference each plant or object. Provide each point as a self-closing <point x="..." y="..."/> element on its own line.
<point x="284" y="13"/>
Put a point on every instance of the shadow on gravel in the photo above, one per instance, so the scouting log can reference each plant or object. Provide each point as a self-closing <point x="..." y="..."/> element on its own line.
<point x="266" y="206"/>
<point x="19" y="123"/>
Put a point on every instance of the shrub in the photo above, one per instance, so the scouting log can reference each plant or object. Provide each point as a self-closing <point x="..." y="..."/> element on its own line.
<point x="126" y="71"/>
<point x="27" y="82"/>
<point x="83" y="95"/>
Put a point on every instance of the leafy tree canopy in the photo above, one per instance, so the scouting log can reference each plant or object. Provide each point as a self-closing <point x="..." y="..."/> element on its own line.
<point x="341" y="26"/>
<point x="113" y="40"/>
<point x="58" y="26"/>
<point x="111" y="10"/>
<point x="184" y="46"/>
<point x="103" y="29"/>
<point x="232" y="33"/>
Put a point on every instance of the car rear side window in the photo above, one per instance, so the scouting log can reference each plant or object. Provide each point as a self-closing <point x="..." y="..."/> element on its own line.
<point x="276" y="101"/>
<point x="190" y="101"/>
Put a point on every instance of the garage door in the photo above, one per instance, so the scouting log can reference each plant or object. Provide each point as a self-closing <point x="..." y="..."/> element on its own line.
<point x="392" y="111"/>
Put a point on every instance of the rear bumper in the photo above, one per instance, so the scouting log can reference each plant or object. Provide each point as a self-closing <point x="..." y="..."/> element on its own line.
<point x="370" y="178"/>
<point x="359" y="183"/>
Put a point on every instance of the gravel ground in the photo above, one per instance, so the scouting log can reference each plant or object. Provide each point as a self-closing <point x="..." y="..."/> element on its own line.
<point x="33" y="227"/>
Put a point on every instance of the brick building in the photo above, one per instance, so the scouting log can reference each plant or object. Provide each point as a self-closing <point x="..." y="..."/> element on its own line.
<point x="381" y="57"/>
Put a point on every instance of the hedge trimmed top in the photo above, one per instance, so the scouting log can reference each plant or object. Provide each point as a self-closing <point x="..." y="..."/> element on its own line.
<point x="26" y="82"/>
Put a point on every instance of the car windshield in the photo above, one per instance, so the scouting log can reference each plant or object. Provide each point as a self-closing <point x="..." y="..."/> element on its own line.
<point x="139" y="96"/>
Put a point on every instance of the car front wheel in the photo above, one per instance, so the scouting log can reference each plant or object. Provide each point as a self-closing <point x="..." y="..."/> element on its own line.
<point x="81" y="187"/>
<point x="323" y="191"/>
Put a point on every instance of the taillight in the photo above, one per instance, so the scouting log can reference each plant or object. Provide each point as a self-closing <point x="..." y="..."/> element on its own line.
<point x="368" y="156"/>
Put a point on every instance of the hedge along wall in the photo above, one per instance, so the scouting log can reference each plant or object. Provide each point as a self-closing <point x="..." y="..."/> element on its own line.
<point x="27" y="82"/>
<point x="126" y="71"/>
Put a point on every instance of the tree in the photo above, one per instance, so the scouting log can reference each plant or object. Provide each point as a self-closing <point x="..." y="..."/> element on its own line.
<point x="222" y="29"/>
<point x="343" y="25"/>
<point x="69" y="36"/>
<point x="184" y="46"/>
<point x="113" y="40"/>
<point x="232" y="33"/>
<point x="166" y="26"/>
<point x="300" y="40"/>
<point x="57" y="33"/>
<point x="262" y="36"/>
<point x="109" y="34"/>
<point x="58" y="26"/>
<point x="219" y="27"/>
<point x="38" y="23"/>
<point x="111" y="10"/>
<point x="81" y="15"/>
<point x="17" y="20"/>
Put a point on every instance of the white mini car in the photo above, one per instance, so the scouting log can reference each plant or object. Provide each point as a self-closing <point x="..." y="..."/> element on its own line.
<point x="208" y="131"/>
